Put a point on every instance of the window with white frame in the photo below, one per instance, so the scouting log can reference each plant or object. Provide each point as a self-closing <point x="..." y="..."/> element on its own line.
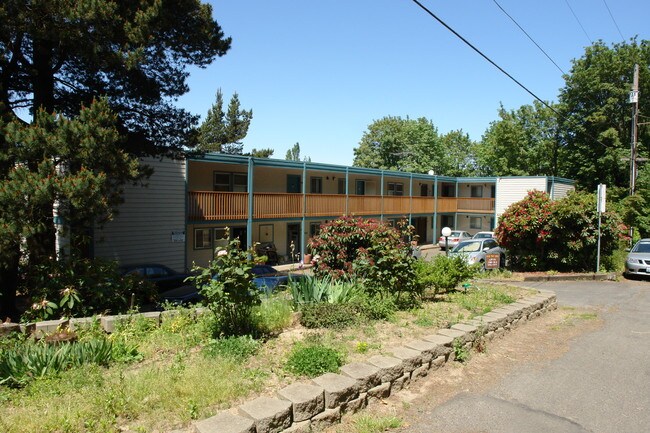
<point x="395" y="188"/>
<point x="476" y="223"/>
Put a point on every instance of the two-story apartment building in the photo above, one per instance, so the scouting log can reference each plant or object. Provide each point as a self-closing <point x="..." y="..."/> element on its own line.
<point x="182" y="215"/>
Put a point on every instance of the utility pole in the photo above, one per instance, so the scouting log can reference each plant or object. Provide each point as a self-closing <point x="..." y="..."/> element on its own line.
<point x="634" y="100"/>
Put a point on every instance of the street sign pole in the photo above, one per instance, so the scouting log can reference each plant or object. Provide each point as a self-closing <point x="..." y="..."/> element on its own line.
<point x="600" y="208"/>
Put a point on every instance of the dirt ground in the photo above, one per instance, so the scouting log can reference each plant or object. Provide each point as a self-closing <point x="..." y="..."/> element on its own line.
<point x="529" y="346"/>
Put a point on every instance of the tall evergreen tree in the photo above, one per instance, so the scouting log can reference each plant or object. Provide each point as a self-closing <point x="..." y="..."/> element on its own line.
<point x="224" y="132"/>
<point x="57" y="57"/>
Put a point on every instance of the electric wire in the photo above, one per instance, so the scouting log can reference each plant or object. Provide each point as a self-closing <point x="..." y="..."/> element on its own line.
<point x="547" y="105"/>
<point x="529" y="37"/>
<point x="612" y="17"/>
<point x="578" y="20"/>
<point x="479" y="52"/>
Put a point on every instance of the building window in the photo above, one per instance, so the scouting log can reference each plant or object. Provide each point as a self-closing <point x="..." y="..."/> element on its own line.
<point x="230" y="182"/>
<point x="477" y="191"/>
<point x="476" y="223"/>
<point x="448" y="190"/>
<point x="316" y="185"/>
<point x="360" y="187"/>
<point x="447" y="221"/>
<point x="314" y="229"/>
<point x="202" y="239"/>
<point x="341" y="188"/>
<point x="395" y="188"/>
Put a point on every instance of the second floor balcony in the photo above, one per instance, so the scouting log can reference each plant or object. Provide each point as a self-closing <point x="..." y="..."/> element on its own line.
<point x="214" y="206"/>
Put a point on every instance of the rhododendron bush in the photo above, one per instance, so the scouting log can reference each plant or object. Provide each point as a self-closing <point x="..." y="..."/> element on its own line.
<point x="367" y="249"/>
<point x="541" y="234"/>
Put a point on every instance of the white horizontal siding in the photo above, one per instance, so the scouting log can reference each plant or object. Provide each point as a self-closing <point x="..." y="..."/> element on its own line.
<point x="142" y="230"/>
<point x="560" y="190"/>
<point x="513" y="189"/>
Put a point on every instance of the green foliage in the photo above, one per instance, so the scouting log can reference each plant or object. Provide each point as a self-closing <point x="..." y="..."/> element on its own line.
<point x="272" y="316"/>
<point x="80" y="149"/>
<point x="224" y="132"/>
<point x="293" y="154"/>
<point x="378" y="307"/>
<point x="81" y="288"/>
<point x="228" y="290"/>
<point x="237" y="348"/>
<point x="561" y="235"/>
<point x="414" y="145"/>
<point x="30" y="361"/>
<point x="444" y="273"/>
<point x="367" y="250"/>
<point x="461" y="354"/>
<point x="522" y="142"/>
<point x="309" y="290"/>
<point x="326" y="315"/>
<point x="313" y="360"/>
<point x="596" y="116"/>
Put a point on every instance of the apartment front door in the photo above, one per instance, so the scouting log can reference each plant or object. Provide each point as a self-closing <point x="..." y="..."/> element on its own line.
<point x="420" y="224"/>
<point x="293" y="235"/>
<point x="241" y="234"/>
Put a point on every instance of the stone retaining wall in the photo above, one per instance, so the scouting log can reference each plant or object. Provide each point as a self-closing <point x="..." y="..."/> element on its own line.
<point x="315" y="405"/>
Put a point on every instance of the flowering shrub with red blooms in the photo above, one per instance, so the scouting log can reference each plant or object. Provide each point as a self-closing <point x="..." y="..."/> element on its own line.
<point x="561" y="235"/>
<point x="369" y="250"/>
<point x="524" y="230"/>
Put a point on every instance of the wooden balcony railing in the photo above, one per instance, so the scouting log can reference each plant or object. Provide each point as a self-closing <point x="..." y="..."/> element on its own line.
<point x="213" y="206"/>
<point x="479" y="205"/>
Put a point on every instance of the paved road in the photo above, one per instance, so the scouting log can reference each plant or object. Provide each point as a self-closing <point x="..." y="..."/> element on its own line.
<point x="601" y="384"/>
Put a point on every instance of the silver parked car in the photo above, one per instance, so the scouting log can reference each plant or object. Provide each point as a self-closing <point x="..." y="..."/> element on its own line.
<point x="475" y="251"/>
<point x="638" y="259"/>
<point x="455" y="237"/>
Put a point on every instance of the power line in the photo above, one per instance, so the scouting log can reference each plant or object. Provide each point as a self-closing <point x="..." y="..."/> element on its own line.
<point x="612" y="17"/>
<point x="529" y="37"/>
<point x="434" y="16"/>
<point x="469" y="44"/>
<point x="578" y="20"/>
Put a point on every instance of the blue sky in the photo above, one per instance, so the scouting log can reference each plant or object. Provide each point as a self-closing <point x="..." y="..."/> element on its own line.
<point x="320" y="72"/>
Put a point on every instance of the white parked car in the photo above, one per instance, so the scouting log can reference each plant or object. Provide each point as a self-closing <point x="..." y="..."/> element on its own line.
<point x="455" y="237"/>
<point x="483" y="235"/>
<point x="476" y="250"/>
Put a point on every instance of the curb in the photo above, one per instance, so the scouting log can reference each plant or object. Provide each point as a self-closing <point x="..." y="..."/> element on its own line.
<point x="320" y="403"/>
<point x="572" y="277"/>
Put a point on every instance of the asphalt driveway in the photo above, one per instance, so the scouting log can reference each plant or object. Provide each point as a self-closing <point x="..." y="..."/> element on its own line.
<point x="587" y="377"/>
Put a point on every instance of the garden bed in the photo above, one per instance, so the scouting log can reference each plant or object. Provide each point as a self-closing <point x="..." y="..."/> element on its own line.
<point x="179" y="374"/>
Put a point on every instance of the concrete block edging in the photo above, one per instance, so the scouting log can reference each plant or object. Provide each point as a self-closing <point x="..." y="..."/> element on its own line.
<point x="348" y="393"/>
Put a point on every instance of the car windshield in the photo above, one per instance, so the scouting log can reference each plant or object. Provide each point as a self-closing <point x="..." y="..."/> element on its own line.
<point x="642" y="247"/>
<point x="467" y="247"/>
<point x="455" y="234"/>
<point x="483" y="235"/>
